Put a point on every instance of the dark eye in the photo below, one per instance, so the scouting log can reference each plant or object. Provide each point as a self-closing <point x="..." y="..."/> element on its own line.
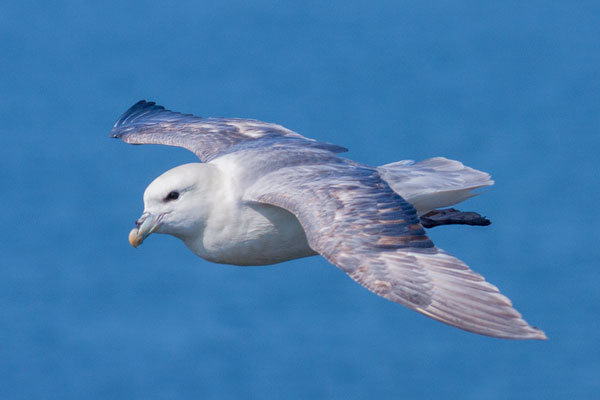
<point x="172" y="196"/>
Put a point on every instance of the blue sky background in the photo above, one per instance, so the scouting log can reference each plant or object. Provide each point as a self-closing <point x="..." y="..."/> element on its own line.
<point x="506" y="87"/>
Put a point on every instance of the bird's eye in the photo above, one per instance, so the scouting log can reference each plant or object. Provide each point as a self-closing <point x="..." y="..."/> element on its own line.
<point x="172" y="196"/>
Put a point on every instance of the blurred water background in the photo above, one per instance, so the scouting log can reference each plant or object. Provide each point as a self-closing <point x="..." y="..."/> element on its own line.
<point x="512" y="88"/>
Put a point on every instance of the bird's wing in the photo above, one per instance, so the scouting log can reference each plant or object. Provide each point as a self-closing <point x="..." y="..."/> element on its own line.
<point x="357" y="222"/>
<point x="146" y="122"/>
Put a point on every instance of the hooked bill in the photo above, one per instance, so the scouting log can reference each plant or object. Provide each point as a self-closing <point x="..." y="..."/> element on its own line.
<point x="134" y="239"/>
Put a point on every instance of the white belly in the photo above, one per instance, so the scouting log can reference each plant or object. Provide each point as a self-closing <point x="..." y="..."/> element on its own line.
<point x="257" y="234"/>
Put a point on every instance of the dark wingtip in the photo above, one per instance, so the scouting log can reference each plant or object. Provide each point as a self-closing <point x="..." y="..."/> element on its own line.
<point x="135" y="111"/>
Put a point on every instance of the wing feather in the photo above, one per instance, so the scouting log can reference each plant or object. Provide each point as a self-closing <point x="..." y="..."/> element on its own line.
<point x="208" y="138"/>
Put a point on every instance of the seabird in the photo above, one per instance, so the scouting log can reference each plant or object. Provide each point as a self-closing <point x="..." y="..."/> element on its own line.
<point x="264" y="194"/>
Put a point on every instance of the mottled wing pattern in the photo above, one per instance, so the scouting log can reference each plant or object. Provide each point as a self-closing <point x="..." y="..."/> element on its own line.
<point x="146" y="122"/>
<point x="357" y="222"/>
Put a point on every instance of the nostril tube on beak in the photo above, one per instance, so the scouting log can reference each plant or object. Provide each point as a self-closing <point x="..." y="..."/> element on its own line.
<point x="141" y="220"/>
<point x="144" y="227"/>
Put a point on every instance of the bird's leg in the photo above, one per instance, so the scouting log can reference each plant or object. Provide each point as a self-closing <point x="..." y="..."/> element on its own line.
<point x="452" y="216"/>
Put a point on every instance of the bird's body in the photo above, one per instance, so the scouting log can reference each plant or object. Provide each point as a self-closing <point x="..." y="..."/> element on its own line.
<point x="234" y="231"/>
<point x="248" y="233"/>
<point x="264" y="194"/>
<point x="260" y="234"/>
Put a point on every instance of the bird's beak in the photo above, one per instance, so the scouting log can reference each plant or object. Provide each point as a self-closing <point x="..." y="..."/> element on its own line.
<point x="146" y="225"/>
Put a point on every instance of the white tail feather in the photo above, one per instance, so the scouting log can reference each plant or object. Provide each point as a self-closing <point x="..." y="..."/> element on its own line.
<point x="433" y="183"/>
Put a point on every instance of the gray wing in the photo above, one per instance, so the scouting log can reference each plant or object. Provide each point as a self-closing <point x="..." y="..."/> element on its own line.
<point x="146" y="122"/>
<point x="357" y="222"/>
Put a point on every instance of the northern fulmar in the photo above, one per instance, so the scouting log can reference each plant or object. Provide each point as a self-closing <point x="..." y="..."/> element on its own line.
<point x="264" y="194"/>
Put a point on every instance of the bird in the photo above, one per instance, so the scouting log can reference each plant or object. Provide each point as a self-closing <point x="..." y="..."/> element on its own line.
<point x="263" y="194"/>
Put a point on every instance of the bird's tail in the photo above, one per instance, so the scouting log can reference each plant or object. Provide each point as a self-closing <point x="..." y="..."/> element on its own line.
<point x="433" y="183"/>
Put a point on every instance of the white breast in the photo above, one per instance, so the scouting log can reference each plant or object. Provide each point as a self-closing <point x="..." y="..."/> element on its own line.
<point x="255" y="234"/>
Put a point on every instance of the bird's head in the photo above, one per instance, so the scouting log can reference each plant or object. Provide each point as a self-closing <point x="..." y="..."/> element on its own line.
<point x="176" y="203"/>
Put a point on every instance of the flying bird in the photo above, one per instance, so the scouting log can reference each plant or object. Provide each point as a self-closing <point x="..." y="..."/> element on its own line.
<point x="263" y="194"/>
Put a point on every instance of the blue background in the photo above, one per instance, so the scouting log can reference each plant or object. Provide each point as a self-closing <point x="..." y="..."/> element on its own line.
<point x="505" y="87"/>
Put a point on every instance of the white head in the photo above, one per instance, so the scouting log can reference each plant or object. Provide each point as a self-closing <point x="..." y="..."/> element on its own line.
<point x="177" y="203"/>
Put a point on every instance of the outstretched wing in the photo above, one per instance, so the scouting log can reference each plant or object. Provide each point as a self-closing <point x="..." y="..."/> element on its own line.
<point x="357" y="222"/>
<point x="208" y="138"/>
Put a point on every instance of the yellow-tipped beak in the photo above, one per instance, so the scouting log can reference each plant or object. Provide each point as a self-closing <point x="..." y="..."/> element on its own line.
<point x="145" y="226"/>
<point x="134" y="239"/>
